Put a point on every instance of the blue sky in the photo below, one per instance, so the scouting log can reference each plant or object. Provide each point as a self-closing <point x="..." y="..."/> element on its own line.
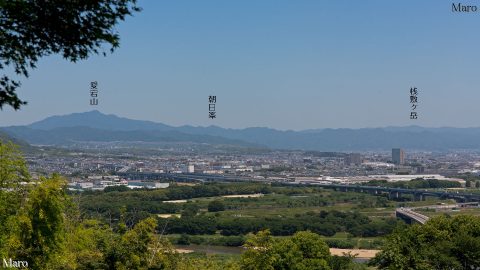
<point x="275" y="63"/>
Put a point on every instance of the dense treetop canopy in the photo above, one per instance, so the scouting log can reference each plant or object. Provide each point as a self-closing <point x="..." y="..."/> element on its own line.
<point x="442" y="243"/>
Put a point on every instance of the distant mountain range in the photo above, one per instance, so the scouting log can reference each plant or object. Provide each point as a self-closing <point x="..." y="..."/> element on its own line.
<point x="96" y="126"/>
<point x="97" y="120"/>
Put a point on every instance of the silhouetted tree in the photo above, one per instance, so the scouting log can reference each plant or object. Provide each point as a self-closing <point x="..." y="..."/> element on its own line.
<point x="30" y="29"/>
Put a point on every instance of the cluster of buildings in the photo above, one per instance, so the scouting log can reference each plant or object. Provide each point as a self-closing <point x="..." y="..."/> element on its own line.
<point x="100" y="169"/>
<point x="99" y="182"/>
<point x="368" y="178"/>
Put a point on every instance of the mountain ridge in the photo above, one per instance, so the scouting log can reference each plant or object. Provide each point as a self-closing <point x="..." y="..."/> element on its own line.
<point x="94" y="125"/>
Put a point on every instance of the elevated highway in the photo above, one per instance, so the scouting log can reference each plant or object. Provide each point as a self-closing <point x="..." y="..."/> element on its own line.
<point x="409" y="214"/>
<point x="418" y="194"/>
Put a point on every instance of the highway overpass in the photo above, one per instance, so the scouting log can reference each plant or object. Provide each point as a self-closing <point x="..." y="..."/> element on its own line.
<point x="410" y="215"/>
<point x="418" y="194"/>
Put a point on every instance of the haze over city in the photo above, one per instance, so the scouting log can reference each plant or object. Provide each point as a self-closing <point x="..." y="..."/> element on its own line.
<point x="279" y="64"/>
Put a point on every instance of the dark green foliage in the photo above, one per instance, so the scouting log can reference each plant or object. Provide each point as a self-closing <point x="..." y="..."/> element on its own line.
<point x="259" y="253"/>
<point x="416" y="183"/>
<point x="442" y="243"/>
<point x="304" y="250"/>
<point x="140" y="203"/>
<point x="215" y="189"/>
<point x="340" y="243"/>
<point x="339" y="263"/>
<point x="190" y="210"/>
<point x="42" y="226"/>
<point x="302" y="196"/>
<point x="30" y="30"/>
<point x="121" y="188"/>
<point x="231" y="241"/>
<point x="324" y="223"/>
<point x="215" y="240"/>
<point x="192" y="225"/>
<point x="107" y="205"/>
<point x="216" y="206"/>
<point x="184" y="239"/>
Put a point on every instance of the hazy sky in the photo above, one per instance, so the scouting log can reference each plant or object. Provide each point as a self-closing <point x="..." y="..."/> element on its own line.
<point x="282" y="64"/>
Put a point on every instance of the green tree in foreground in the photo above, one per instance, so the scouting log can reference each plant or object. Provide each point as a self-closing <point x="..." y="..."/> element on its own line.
<point x="259" y="253"/>
<point x="13" y="171"/>
<point x="143" y="249"/>
<point x="442" y="243"/>
<point x="304" y="250"/>
<point x="41" y="225"/>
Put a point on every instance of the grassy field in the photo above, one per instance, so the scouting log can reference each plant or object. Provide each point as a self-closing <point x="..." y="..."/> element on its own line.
<point x="281" y="205"/>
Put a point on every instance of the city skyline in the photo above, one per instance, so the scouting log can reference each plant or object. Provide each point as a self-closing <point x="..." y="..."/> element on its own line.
<point x="283" y="65"/>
